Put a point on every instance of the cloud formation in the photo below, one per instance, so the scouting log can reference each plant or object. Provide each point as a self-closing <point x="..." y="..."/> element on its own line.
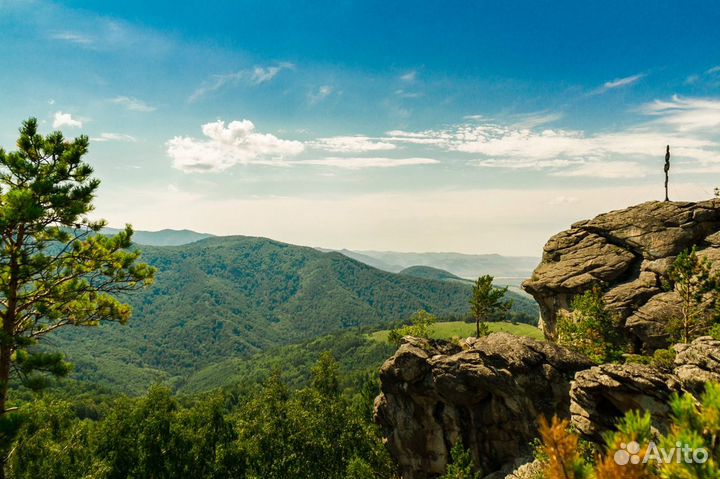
<point x="61" y="119"/>
<point x="133" y="104"/>
<point x="689" y="125"/>
<point x="409" y="76"/>
<point x="254" y="76"/>
<point x="72" y="37"/>
<point x="225" y="146"/>
<point x="352" y="144"/>
<point x="114" y="137"/>
<point x="357" y="163"/>
<point x="320" y="94"/>
<point x="620" y="83"/>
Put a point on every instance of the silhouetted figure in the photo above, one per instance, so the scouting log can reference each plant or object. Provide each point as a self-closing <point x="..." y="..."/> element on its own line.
<point x="667" y="170"/>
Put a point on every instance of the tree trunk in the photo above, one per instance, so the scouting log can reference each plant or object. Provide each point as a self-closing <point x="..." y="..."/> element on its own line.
<point x="477" y="328"/>
<point x="5" y="355"/>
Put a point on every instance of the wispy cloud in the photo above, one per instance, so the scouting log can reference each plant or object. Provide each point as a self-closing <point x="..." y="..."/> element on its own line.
<point x="689" y="125"/>
<point x="132" y="104"/>
<point x="407" y="94"/>
<point x="265" y="74"/>
<point x="320" y="94"/>
<point x="685" y="114"/>
<point x="225" y="146"/>
<point x="409" y="77"/>
<point x="61" y="119"/>
<point x="351" y="144"/>
<point x="72" y="37"/>
<point x="114" y="137"/>
<point x="357" y="163"/>
<point x="254" y="76"/>
<point x="619" y="83"/>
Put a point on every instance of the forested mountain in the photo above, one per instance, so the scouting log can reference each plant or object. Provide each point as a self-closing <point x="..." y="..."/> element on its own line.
<point x="506" y="269"/>
<point x="166" y="237"/>
<point x="428" y="272"/>
<point x="229" y="297"/>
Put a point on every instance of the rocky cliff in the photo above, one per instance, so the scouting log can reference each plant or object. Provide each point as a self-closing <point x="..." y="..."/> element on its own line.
<point x="627" y="252"/>
<point x="489" y="392"/>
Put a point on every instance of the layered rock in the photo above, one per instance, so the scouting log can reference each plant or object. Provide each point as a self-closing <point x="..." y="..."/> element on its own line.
<point x="601" y="395"/>
<point x="628" y="252"/>
<point x="488" y="392"/>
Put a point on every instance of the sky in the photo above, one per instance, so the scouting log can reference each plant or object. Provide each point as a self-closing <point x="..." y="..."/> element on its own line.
<point x="467" y="126"/>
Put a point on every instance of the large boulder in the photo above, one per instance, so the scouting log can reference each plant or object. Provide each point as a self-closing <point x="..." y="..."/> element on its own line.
<point x="487" y="392"/>
<point x="628" y="252"/>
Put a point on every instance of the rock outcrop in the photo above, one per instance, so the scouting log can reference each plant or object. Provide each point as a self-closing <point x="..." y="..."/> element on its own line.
<point x="488" y="392"/>
<point x="627" y="252"/>
<point x="601" y="395"/>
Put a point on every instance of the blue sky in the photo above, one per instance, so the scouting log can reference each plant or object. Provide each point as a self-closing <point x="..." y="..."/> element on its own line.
<point x="470" y="126"/>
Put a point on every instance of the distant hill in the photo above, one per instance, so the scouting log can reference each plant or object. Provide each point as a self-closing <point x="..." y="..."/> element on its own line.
<point x="226" y="297"/>
<point x="164" y="237"/>
<point x="428" y="272"/>
<point x="510" y="270"/>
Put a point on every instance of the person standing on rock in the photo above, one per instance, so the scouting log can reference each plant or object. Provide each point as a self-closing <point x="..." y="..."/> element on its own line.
<point x="667" y="170"/>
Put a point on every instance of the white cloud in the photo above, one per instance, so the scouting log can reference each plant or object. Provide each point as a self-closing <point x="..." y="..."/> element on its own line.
<point x="265" y="74"/>
<point x="114" y="137"/>
<point x="61" y="119"/>
<point x="532" y="120"/>
<point x="686" y="114"/>
<point x="689" y="125"/>
<point x="352" y="144"/>
<point x="225" y="146"/>
<point x="620" y="82"/>
<point x="72" y="37"/>
<point x="255" y="76"/>
<point x="409" y="76"/>
<point x="606" y="169"/>
<point x="320" y="94"/>
<point x="358" y="163"/>
<point x="407" y="94"/>
<point x="132" y="104"/>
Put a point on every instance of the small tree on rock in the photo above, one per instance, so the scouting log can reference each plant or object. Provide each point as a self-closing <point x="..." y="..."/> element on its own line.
<point x="487" y="301"/>
<point x="692" y="278"/>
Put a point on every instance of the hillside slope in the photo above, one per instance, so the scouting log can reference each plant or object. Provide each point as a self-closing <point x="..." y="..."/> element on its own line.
<point x="507" y="270"/>
<point x="166" y="237"/>
<point x="227" y="297"/>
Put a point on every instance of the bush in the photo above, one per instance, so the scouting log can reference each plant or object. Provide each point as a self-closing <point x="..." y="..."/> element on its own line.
<point x="590" y="329"/>
<point x="421" y="324"/>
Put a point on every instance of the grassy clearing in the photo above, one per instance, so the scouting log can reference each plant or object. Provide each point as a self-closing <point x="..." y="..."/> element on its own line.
<point x="446" y="330"/>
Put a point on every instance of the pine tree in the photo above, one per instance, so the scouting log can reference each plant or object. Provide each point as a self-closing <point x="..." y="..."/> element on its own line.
<point x="55" y="270"/>
<point x="694" y="281"/>
<point x="486" y="302"/>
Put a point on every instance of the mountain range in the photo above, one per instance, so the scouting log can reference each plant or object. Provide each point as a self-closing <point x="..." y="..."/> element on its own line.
<point x="507" y="270"/>
<point x="231" y="297"/>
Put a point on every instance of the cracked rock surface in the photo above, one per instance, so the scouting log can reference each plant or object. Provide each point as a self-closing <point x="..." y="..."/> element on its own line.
<point x="490" y="392"/>
<point x="628" y="252"/>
